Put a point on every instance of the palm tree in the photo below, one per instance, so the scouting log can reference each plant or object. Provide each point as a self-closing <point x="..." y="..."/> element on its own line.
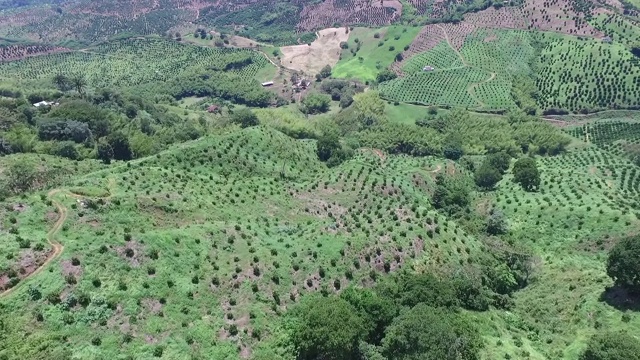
<point x="79" y="83"/>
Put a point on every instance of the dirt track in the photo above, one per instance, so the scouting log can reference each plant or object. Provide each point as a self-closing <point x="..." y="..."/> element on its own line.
<point x="57" y="247"/>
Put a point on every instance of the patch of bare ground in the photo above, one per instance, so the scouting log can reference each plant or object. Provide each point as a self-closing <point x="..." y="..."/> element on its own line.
<point x="310" y="59"/>
<point x="68" y="268"/>
<point x="120" y="321"/>
<point x="133" y="252"/>
<point x="152" y="306"/>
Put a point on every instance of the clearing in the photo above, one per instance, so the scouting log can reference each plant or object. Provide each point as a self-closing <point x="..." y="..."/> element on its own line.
<point x="310" y="59"/>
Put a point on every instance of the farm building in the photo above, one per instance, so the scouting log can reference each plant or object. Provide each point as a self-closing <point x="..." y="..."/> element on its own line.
<point x="45" y="103"/>
<point x="268" y="83"/>
<point x="301" y="85"/>
<point x="428" y="68"/>
<point x="607" y="39"/>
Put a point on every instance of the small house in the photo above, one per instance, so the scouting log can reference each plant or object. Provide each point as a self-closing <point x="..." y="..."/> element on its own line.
<point x="267" y="84"/>
<point x="607" y="39"/>
<point x="428" y="68"/>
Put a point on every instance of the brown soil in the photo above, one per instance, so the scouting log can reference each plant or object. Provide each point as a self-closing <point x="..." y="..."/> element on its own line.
<point x="325" y="50"/>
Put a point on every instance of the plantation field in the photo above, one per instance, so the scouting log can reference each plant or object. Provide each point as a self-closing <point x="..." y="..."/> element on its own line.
<point x="478" y="75"/>
<point x="255" y="243"/>
<point x="587" y="74"/>
<point x="131" y="62"/>
<point x="374" y="54"/>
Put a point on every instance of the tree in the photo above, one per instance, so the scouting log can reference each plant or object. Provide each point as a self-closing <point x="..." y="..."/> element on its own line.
<point x="525" y="172"/>
<point x="62" y="82"/>
<point x="131" y="111"/>
<point x="245" y="118"/>
<point x="21" y="176"/>
<point x="623" y="264"/>
<point x="327" y="328"/>
<point x="385" y="75"/>
<point x="369" y="108"/>
<point x="5" y="147"/>
<point x="315" y="103"/>
<point x="427" y="333"/>
<point x="487" y="176"/>
<point x="120" y="146"/>
<point x="497" y="223"/>
<point x="325" y="72"/>
<point x="500" y="161"/>
<point x="452" y="147"/>
<point x="612" y="345"/>
<point x="105" y="152"/>
<point x="376" y="311"/>
<point x="451" y="193"/>
<point x="326" y="146"/>
<point x="68" y="150"/>
<point x="79" y="83"/>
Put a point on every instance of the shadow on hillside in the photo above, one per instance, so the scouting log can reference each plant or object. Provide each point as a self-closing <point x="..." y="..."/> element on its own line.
<point x="621" y="299"/>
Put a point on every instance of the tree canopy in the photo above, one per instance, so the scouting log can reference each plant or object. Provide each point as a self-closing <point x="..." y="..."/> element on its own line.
<point x="612" y="345"/>
<point x="525" y="172"/>
<point x="623" y="264"/>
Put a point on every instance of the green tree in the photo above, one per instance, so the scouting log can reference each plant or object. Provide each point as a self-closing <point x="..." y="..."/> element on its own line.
<point x="327" y="145"/>
<point x="21" y="176"/>
<point x="451" y="194"/>
<point x="245" y="118"/>
<point x="623" y="264"/>
<point x="427" y="333"/>
<point x="385" y="75"/>
<point x="131" y="111"/>
<point x="525" y="172"/>
<point x="62" y="82"/>
<point x="325" y="72"/>
<point x="105" y="152"/>
<point x="79" y="84"/>
<point x="315" y="103"/>
<point x="376" y="311"/>
<point x="612" y="345"/>
<point x="369" y="108"/>
<point x="452" y="147"/>
<point x="327" y="328"/>
<point x="500" y="161"/>
<point x="487" y="176"/>
<point x="120" y="145"/>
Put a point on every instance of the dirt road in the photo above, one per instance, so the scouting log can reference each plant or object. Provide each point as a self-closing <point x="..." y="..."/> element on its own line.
<point x="57" y="247"/>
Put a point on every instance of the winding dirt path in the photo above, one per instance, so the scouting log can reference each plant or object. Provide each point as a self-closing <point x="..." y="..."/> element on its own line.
<point x="471" y="89"/>
<point x="63" y="213"/>
<point x="446" y="36"/>
<point x="57" y="247"/>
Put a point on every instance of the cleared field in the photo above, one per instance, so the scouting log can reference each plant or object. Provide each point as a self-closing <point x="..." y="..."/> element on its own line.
<point x="368" y="54"/>
<point x="310" y="59"/>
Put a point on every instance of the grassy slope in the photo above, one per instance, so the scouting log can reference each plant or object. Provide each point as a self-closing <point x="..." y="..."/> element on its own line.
<point x="216" y="209"/>
<point x="375" y="58"/>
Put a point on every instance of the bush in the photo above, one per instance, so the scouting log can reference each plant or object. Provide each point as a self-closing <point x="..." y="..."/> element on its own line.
<point x="611" y="345"/>
<point x="315" y="103"/>
<point x="623" y="265"/>
<point x="245" y="118"/>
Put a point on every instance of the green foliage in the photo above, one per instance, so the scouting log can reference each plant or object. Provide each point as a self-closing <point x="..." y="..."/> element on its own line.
<point x="487" y="176"/>
<point x="612" y="345"/>
<point x="327" y="328"/>
<point x="428" y="333"/>
<point x="245" y="118"/>
<point x="623" y="265"/>
<point x="452" y="194"/>
<point x="385" y="75"/>
<point x="315" y="103"/>
<point x="526" y="173"/>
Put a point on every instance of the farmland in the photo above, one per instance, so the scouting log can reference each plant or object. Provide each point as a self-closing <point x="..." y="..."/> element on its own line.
<point x="111" y="64"/>
<point x="319" y="179"/>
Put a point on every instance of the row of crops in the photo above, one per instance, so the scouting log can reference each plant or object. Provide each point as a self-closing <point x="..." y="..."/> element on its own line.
<point x="480" y="76"/>
<point x="445" y="87"/>
<point x="131" y="62"/>
<point x="587" y="74"/>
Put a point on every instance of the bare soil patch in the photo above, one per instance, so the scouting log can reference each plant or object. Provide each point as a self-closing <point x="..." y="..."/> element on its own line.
<point x="310" y="59"/>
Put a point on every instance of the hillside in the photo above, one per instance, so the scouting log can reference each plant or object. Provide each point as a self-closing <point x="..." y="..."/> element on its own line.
<point x="320" y="179"/>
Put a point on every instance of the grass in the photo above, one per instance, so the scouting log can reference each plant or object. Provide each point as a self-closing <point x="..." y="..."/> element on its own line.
<point x="371" y="58"/>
